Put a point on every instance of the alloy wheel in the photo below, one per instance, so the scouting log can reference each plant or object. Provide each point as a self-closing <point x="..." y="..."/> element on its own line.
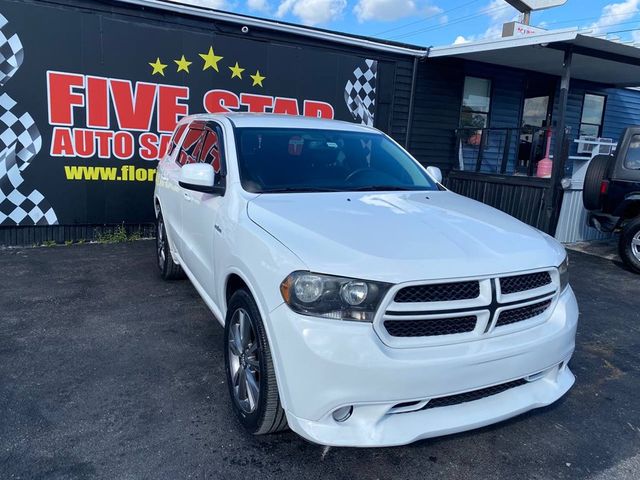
<point x="635" y="246"/>
<point x="160" y="244"/>
<point x="244" y="361"/>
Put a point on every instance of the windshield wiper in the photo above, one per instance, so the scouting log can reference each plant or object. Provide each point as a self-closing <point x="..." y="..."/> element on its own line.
<point x="382" y="188"/>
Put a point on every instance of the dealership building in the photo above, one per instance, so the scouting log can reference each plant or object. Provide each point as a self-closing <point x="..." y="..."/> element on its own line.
<point x="91" y="90"/>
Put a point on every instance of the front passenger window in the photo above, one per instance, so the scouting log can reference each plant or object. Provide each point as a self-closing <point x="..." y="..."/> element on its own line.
<point x="210" y="150"/>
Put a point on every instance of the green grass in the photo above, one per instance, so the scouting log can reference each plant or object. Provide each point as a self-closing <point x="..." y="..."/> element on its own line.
<point x="118" y="235"/>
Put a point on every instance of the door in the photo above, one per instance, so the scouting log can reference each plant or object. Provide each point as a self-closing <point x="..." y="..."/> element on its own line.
<point x="168" y="173"/>
<point x="536" y="119"/>
<point x="201" y="210"/>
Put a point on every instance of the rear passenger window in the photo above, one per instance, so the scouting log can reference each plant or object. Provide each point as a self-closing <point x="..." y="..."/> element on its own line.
<point x="177" y="135"/>
<point x="192" y="144"/>
<point x="632" y="160"/>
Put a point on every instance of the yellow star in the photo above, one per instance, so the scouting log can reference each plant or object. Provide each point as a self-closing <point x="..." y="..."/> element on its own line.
<point x="210" y="59"/>
<point x="257" y="78"/>
<point x="158" y="67"/>
<point x="236" y="71"/>
<point x="183" y="64"/>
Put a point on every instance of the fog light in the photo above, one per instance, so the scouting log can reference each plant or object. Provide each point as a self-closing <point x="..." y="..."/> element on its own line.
<point x="342" y="414"/>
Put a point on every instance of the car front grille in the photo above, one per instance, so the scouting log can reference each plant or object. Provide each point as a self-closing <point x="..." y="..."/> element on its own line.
<point x="452" y="311"/>
<point x="520" y="314"/>
<point x="522" y="283"/>
<point x="439" y="292"/>
<point x="431" y="327"/>
<point x="473" y="395"/>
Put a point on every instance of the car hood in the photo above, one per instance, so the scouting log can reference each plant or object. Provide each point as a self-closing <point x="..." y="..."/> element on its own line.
<point x="405" y="236"/>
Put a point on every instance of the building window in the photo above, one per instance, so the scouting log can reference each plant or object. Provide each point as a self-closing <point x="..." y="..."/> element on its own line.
<point x="592" y="115"/>
<point x="476" y="102"/>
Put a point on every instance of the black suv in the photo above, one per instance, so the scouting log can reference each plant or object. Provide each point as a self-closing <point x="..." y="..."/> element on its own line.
<point x="612" y="194"/>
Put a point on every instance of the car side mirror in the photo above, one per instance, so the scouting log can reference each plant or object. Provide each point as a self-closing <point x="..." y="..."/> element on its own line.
<point x="435" y="173"/>
<point x="200" y="177"/>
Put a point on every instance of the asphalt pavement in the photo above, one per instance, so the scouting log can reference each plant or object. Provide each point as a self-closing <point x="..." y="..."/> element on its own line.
<point x="108" y="372"/>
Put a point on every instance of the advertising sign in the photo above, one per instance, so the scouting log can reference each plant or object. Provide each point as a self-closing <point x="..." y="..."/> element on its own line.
<point x="88" y="102"/>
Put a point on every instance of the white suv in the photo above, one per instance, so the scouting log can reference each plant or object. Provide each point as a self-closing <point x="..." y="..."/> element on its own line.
<point x="364" y="304"/>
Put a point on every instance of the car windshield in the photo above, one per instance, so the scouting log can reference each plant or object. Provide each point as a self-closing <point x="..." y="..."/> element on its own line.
<point x="278" y="160"/>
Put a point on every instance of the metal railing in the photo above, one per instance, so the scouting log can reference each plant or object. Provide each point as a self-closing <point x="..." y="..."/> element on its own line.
<point x="504" y="151"/>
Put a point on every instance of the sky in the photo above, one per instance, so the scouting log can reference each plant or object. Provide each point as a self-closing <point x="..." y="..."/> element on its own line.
<point x="439" y="22"/>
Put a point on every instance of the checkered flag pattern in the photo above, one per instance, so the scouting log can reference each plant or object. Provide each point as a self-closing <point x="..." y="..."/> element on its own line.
<point x="360" y="92"/>
<point x="11" y="53"/>
<point x="20" y="141"/>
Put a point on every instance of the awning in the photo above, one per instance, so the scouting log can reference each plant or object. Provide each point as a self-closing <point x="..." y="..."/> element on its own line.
<point x="594" y="59"/>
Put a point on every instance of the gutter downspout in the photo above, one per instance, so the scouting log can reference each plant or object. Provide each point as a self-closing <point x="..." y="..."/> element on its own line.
<point x="412" y="99"/>
<point x="555" y="192"/>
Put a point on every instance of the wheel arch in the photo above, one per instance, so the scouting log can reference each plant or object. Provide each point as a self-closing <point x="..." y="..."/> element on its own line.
<point x="235" y="277"/>
<point x="157" y="208"/>
<point x="630" y="207"/>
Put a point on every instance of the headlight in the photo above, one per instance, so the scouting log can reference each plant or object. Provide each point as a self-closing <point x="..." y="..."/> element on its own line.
<point x="563" y="270"/>
<point x="333" y="297"/>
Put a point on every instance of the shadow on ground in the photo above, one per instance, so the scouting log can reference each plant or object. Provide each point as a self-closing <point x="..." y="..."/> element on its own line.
<point x="108" y="372"/>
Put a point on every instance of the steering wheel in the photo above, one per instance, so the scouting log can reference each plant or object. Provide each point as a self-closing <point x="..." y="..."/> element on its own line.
<point x="355" y="173"/>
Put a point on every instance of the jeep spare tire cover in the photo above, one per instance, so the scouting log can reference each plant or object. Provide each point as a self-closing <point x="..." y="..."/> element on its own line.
<point x="596" y="173"/>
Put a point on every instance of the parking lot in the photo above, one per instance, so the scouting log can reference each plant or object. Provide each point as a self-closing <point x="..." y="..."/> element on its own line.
<point x="108" y="372"/>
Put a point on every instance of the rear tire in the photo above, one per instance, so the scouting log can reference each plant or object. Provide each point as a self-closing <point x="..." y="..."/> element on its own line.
<point x="596" y="173"/>
<point x="169" y="270"/>
<point x="250" y="374"/>
<point x="629" y="245"/>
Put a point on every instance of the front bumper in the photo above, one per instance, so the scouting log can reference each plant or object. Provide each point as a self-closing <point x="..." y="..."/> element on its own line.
<point x="323" y="365"/>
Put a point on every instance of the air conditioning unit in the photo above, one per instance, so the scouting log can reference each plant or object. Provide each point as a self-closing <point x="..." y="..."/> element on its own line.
<point x="586" y="148"/>
<point x="606" y="146"/>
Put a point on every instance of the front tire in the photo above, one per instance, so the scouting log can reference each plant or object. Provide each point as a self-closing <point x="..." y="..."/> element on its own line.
<point x="169" y="270"/>
<point x="250" y="374"/>
<point x="629" y="245"/>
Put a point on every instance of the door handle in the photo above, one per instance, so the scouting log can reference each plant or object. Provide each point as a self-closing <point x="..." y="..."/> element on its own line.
<point x="187" y="197"/>
<point x="164" y="178"/>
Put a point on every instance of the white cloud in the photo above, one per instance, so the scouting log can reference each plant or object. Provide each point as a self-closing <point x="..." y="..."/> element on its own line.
<point x="258" y="5"/>
<point x="312" y="12"/>
<point x="390" y="10"/>
<point x="614" y="13"/>
<point x="500" y="11"/>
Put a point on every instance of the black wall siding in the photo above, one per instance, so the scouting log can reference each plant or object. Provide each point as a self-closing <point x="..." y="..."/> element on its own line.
<point x="35" y="236"/>
<point x="393" y="93"/>
<point x="401" y="100"/>
<point x="436" y="113"/>
<point x="523" y="201"/>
